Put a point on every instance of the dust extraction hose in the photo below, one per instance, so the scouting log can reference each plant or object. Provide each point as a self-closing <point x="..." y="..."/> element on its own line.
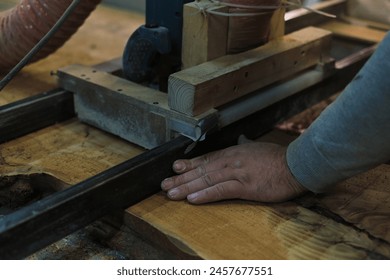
<point x="22" y="27"/>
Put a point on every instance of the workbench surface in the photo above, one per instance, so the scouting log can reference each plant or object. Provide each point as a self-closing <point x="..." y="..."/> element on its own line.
<point x="351" y="222"/>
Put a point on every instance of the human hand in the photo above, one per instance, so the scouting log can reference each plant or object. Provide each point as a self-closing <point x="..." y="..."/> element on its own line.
<point x="253" y="171"/>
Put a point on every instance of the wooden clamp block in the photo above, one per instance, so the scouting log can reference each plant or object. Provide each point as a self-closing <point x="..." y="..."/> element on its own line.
<point x="204" y="35"/>
<point x="217" y="82"/>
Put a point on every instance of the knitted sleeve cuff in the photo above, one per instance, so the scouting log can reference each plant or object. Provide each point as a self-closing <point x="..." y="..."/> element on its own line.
<point x="309" y="166"/>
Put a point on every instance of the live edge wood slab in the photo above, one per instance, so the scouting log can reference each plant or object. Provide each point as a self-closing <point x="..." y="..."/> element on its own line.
<point x="351" y="222"/>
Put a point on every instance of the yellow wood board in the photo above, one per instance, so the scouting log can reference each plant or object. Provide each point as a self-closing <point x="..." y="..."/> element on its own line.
<point x="350" y="222"/>
<point x="245" y="230"/>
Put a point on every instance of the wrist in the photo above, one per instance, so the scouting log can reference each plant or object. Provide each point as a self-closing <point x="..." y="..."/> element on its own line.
<point x="294" y="185"/>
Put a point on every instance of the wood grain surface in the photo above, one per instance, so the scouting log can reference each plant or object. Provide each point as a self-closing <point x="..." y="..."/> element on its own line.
<point x="70" y="151"/>
<point x="337" y="226"/>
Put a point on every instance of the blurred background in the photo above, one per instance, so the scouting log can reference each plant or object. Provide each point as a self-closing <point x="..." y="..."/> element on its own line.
<point x="135" y="5"/>
<point x="139" y="5"/>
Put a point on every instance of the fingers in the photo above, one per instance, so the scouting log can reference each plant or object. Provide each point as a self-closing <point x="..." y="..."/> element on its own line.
<point x="201" y="172"/>
<point x="179" y="187"/>
<point x="253" y="171"/>
<point x="198" y="168"/>
<point x="222" y="191"/>
<point x="181" y="166"/>
<point x="212" y="170"/>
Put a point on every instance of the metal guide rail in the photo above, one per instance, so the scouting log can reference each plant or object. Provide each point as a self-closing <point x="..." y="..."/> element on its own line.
<point x="39" y="224"/>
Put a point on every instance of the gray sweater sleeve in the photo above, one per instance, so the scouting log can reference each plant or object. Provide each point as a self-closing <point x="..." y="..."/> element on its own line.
<point x="353" y="134"/>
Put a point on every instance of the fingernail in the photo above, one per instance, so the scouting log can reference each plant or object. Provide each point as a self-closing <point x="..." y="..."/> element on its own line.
<point x="166" y="183"/>
<point x="192" y="197"/>
<point x="178" y="166"/>
<point x="173" y="193"/>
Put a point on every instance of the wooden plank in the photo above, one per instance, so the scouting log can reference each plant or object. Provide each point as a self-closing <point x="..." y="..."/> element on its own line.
<point x="355" y="32"/>
<point x="204" y="35"/>
<point x="248" y="230"/>
<point x="349" y="223"/>
<point x="214" y="83"/>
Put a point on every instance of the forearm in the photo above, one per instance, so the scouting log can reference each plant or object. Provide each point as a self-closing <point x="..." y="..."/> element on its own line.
<point x="353" y="134"/>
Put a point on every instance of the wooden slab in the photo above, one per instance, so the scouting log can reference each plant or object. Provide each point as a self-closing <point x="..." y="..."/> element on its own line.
<point x="351" y="222"/>
<point x="211" y="84"/>
<point x="69" y="151"/>
<point x="244" y="230"/>
<point x="362" y="201"/>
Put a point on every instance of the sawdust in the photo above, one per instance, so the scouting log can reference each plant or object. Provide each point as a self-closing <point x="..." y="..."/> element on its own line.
<point x="15" y="192"/>
<point x="300" y="122"/>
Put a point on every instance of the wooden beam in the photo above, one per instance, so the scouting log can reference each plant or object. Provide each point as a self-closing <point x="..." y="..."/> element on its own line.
<point x="204" y="35"/>
<point x="214" y="83"/>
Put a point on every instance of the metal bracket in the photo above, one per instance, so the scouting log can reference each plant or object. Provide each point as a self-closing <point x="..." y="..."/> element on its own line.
<point x="142" y="116"/>
<point x="136" y="113"/>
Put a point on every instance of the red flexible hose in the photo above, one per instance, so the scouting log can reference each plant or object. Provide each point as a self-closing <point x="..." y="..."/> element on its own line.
<point x="24" y="25"/>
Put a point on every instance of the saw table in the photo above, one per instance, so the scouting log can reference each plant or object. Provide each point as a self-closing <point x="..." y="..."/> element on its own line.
<point x="82" y="174"/>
